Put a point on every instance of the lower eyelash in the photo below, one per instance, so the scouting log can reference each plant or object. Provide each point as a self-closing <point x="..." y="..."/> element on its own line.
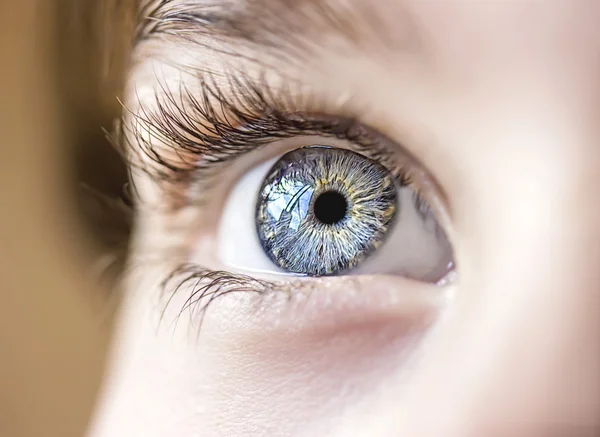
<point x="204" y="287"/>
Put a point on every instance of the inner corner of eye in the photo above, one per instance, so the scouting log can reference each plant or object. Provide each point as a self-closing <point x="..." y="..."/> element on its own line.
<point x="323" y="211"/>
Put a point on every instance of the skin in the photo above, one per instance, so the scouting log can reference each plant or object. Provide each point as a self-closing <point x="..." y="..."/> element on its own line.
<point x="498" y="101"/>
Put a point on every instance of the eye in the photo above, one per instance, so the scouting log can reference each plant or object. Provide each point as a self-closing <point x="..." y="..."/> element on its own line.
<point x="320" y="210"/>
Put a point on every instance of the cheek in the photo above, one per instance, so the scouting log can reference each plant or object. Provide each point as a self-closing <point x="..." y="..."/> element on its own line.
<point x="283" y="379"/>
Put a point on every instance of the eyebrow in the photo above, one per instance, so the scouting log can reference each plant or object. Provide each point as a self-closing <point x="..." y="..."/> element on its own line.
<point x="282" y="26"/>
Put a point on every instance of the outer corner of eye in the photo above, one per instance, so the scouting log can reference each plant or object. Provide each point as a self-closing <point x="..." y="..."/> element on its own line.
<point x="320" y="211"/>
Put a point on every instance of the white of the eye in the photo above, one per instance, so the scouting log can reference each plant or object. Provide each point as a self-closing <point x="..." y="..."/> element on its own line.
<point x="415" y="247"/>
<point x="238" y="244"/>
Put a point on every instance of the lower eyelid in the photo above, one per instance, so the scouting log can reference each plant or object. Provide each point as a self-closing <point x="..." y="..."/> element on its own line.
<point x="244" y="303"/>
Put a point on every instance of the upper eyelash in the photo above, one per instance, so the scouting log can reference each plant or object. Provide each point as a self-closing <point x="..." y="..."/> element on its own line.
<point x="214" y="127"/>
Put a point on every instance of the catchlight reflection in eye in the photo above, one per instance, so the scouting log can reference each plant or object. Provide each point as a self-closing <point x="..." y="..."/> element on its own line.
<point x="320" y="210"/>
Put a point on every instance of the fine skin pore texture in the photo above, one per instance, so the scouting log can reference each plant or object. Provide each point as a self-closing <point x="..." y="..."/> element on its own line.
<point x="494" y="108"/>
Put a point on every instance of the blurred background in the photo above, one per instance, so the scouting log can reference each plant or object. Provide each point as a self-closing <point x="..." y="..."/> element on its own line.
<point x="65" y="213"/>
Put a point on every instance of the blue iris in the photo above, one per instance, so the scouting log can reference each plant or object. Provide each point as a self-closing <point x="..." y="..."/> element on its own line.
<point x="322" y="210"/>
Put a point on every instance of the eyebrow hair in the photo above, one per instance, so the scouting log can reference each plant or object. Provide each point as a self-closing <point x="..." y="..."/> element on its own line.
<point x="284" y="26"/>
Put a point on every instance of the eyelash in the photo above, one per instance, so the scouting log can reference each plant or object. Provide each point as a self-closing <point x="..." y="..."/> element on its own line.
<point x="210" y="129"/>
<point x="205" y="286"/>
<point x="215" y="127"/>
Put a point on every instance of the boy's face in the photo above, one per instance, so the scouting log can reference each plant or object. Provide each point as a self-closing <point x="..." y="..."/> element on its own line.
<point x="492" y="107"/>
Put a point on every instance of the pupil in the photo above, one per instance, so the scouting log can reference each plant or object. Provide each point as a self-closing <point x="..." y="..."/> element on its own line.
<point x="330" y="207"/>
